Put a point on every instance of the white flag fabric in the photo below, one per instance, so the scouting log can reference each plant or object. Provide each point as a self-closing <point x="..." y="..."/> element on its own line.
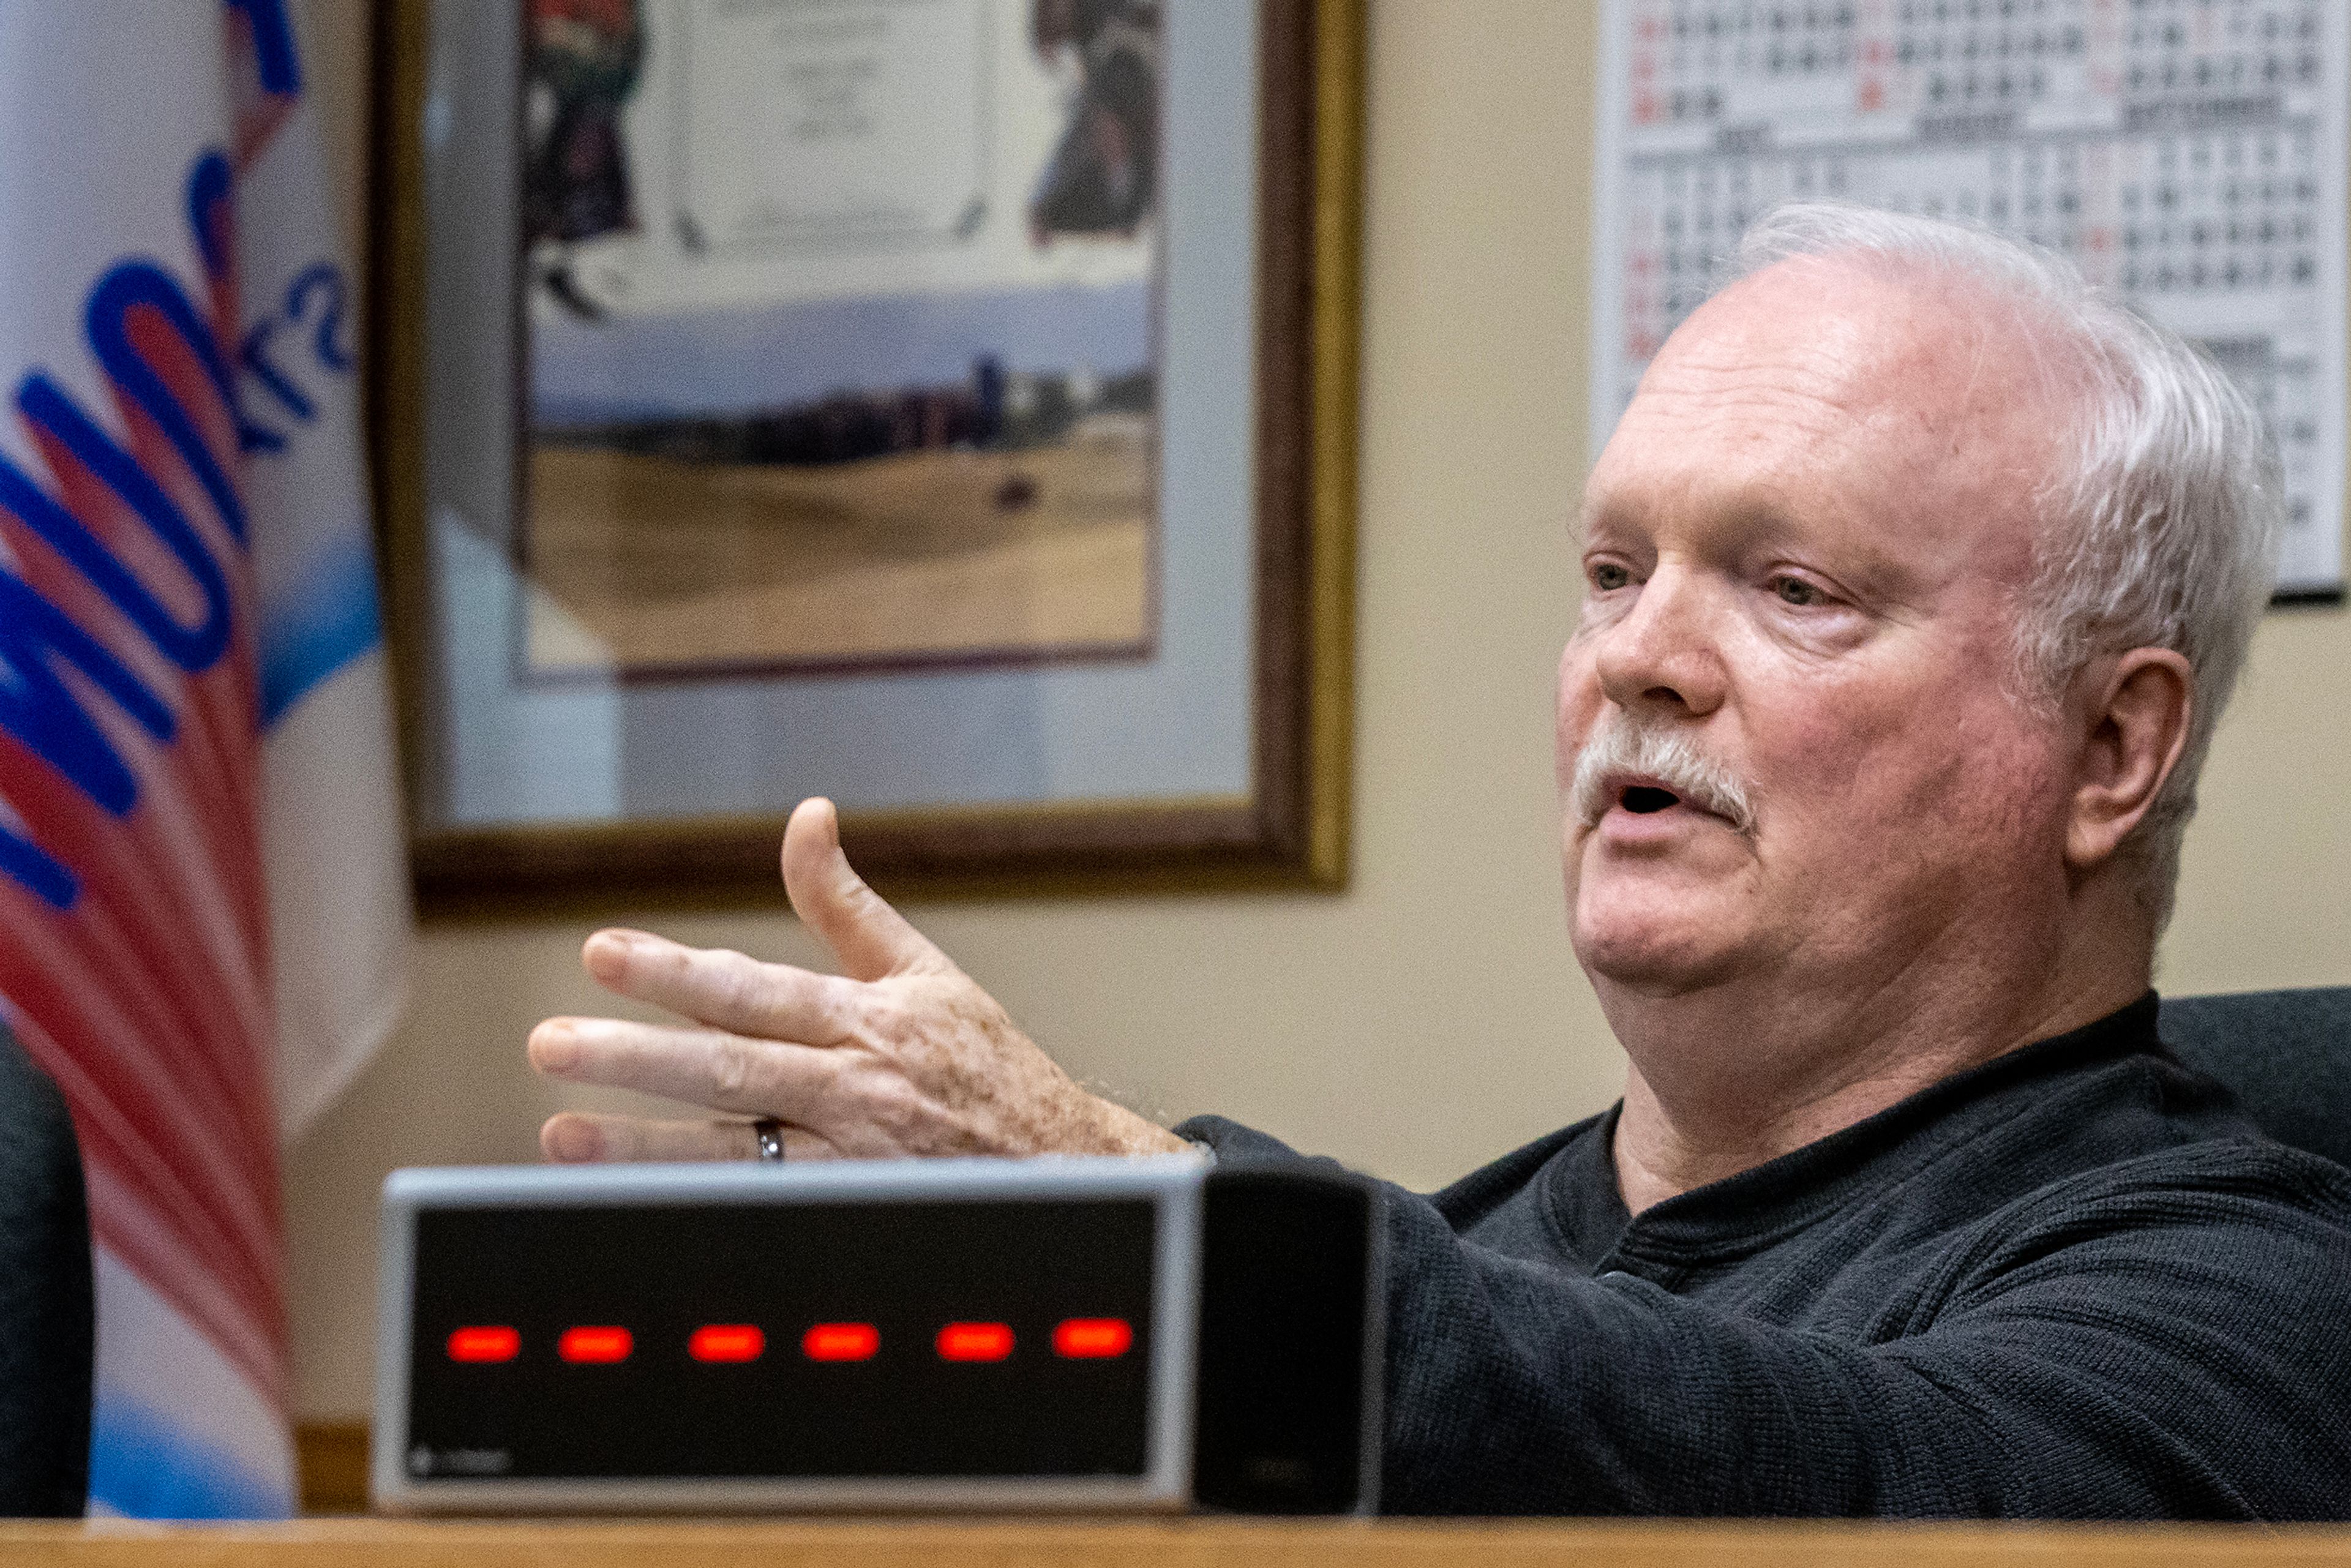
<point x="203" y="925"/>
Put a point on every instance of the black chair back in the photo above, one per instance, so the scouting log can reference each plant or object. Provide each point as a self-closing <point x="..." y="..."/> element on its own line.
<point x="45" y="1297"/>
<point x="2286" y="1055"/>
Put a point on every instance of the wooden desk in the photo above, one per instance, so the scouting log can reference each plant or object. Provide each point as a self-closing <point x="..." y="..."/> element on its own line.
<point x="1150" y="1543"/>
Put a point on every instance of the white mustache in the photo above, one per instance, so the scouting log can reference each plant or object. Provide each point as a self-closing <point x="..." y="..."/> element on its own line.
<point x="1620" y="745"/>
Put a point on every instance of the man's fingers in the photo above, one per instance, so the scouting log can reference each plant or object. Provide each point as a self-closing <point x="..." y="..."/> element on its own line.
<point x="576" y="1138"/>
<point x="701" y="1067"/>
<point x="871" y="939"/>
<point x="725" y="990"/>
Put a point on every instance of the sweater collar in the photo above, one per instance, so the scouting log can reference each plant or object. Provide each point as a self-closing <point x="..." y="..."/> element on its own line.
<point x="1758" y="1205"/>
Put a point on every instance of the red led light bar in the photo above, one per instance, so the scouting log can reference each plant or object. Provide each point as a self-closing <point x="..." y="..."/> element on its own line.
<point x="975" y="1341"/>
<point x="1091" y="1339"/>
<point x="484" y="1342"/>
<point x="727" y="1342"/>
<point x="839" y="1342"/>
<point x="597" y="1346"/>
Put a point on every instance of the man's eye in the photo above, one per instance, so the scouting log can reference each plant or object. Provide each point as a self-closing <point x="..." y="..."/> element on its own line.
<point x="1607" y="577"/>
<point x="1796" y="591"/>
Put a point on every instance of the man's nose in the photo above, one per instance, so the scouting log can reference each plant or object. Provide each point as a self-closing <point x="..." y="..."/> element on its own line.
<point x="1663" y="653"/>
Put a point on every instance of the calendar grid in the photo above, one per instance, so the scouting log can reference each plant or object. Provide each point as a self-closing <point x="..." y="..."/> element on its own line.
<point x="2189" y="154"/>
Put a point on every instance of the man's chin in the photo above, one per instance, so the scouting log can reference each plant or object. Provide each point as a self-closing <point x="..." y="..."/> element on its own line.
<point x="1653" y="963"/>
<point x="1656" y="939"/>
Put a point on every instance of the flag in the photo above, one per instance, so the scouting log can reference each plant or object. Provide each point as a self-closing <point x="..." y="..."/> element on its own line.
<point x="202" y="915"/>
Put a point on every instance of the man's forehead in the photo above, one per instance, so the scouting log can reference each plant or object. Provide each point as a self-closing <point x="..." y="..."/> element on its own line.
<point x="1941" y="349"/>
<point x="1825" y="370"/>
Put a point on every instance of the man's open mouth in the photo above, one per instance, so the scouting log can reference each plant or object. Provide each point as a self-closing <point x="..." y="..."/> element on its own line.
<point x="1661" y="791"/>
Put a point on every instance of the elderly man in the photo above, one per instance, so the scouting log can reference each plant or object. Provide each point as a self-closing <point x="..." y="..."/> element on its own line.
<point x="1916" y="577"/>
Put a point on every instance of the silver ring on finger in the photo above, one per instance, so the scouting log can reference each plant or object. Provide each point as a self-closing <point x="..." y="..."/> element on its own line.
<point x="770" y="1134"/>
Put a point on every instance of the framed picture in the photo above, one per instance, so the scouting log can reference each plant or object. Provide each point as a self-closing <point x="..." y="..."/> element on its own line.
<point x="943" y="405"/>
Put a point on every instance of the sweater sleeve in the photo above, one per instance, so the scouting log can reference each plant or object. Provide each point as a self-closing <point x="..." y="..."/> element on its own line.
<point x="2160" y="1343"/>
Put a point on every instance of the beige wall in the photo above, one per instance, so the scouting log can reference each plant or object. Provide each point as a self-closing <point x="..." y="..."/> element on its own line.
<point x="1432" y="1016"/>
<point x="336" y="57"/>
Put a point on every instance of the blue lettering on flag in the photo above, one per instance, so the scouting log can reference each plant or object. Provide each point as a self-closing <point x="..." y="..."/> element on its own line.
<point x="192" y="648"/>
<point x="329" y="342"/>
<point x="21" y="860"/>
<point x="273" y="45"/>
<point x="36" y="708"/>
<point x="211" y="183"/>
<point x="211" y="217"/>
<point x="125" y="288"/>
<point x="254" y="354"/>
<point x="329" y="615"/>
<point x="324" y="281"/>
<point x="329" y="619"/>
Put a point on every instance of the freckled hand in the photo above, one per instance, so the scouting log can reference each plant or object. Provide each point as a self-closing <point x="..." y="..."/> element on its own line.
<point x="899" y="1054"/>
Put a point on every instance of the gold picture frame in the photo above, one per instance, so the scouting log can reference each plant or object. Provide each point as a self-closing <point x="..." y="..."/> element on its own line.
<point x="1289" y="827"/>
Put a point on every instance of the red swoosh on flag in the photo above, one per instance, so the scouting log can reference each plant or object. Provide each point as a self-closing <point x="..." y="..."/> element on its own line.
<point x="149" y="1001"/>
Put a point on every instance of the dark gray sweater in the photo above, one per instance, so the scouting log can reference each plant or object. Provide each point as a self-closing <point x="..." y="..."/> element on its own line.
<point x="2075" y="1282"/>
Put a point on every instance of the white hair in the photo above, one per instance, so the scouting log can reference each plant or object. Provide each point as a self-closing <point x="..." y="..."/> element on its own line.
<point x="2159" y="528"/>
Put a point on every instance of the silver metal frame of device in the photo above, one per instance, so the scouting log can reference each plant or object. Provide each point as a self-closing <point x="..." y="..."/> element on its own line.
<point x="1173" y="1183"/>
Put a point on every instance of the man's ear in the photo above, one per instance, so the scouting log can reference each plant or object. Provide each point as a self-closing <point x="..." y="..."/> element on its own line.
<point x="2136" y="728"/>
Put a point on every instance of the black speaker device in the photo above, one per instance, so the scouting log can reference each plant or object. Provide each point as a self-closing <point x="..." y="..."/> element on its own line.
<point x="1053" y="1333"/>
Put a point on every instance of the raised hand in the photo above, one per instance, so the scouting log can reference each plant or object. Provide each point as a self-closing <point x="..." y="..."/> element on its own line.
<point x="900" y="1054"/>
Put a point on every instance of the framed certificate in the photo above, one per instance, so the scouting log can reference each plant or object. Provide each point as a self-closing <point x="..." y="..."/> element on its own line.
<point x="943" y="405"/>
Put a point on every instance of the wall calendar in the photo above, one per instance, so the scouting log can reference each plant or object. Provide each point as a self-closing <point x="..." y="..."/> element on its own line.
<point x="2189" y="155"/>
